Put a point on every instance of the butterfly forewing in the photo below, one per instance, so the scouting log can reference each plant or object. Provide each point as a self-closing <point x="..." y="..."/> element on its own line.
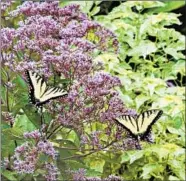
<point x="36" y="81"/>
<point x="147" y="119"/>
<point x="39" y="92"/>
<point x="129" y="123"/>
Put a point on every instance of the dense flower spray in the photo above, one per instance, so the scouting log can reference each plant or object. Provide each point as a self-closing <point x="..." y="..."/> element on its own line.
<point x="61" y="43"/>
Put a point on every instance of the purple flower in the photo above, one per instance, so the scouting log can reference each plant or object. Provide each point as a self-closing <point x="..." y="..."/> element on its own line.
<point x="8" y="117"/>
<point x="79" y="175"/>
<point x="7" y="36"/>
<point x="52" y="172"/>
<point x="34" y="134"/>
<point x="47" y="148"/>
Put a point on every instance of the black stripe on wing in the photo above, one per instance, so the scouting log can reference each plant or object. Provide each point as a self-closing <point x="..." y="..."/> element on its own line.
<point x="31" y="88"/>
<point x="128" y="118"/>
<point x="147" y="132"/>
<point x="55" y="97"/>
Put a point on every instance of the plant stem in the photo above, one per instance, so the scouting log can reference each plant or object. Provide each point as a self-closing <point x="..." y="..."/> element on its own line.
<point x="84" y="155"/>
<point x="54" y="131"/>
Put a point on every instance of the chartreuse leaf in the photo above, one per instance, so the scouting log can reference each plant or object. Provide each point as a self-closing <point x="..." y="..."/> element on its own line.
<point x="150" y="169"/>
<point x="95" y="10"/>
<point x="144" y="48"/>
<point x="139" y="100"/>
<point x="73" y="137"/>
<point x="178" y="168"/>
<point x="168" y="6"/>
<point x="173" y="178"/>
<point x="97" y="165"/>
<point x="125" y="157"/>
<point x="136" y="156"/>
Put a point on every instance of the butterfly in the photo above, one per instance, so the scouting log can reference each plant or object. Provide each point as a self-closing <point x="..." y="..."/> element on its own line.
<point x="39" y="92"/>
<point x="139" y="127"/>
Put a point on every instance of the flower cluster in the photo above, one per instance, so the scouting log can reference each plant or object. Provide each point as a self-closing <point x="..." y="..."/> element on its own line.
<point x="30" y="157"/>
<point x="61" y="42"/>
<point x="47" y="148"/>
<point x="8" y="117"/>
<point x="64" y="32"/>
<point x="87" y="99"/>
<point x="52" y="172"/>
<point x="5" y="6"/>
<point x="26" y="156"/>
<point x="80" y="175"/>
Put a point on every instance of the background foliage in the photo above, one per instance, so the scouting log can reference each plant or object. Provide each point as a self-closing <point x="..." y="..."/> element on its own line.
<point x="151" y="67"/>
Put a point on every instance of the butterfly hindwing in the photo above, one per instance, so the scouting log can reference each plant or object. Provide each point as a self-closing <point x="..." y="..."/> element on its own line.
<point x="147" y="119"/>
<point x="39" y="92"/>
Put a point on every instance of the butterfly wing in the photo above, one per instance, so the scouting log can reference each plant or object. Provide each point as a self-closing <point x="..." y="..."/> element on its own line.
<point x="37" y="86"/>
<point x="128" y="123"/>
<point x="146" y="120"/>
<point x="52" y="93"/>
<point x="39" y="92"/>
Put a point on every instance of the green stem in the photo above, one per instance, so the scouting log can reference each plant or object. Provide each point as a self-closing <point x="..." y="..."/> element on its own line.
<point x="84" y="155"/>
<point x="58" y="128"/>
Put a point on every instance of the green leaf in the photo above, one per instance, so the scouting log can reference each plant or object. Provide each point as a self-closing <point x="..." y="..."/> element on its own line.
<point x="7" y="142"/>
<point x="73" y="137"/>
<point x="150" y="169"/>
<point x="22" y="122"/>
<point x="169" y="6"/>
<point x="125" y="157"/>
<point x="97" y="165"/>
<point x="20" y="82"/>
<point x="74" y="165"/>
<point x="92" y="173"/>
<point x="179" y="67"/>
<point x="173" y="178"/>
<point x="13" y="133"/>
<point x="139" y="100"/>
<point x="95" y="10"/>
<point x="32" y="115"/>
<point x="177" y="122"/>
<point x="159" y="151"/>
<point x="9" y="175"/>
<point x="136" y="156"/>
<point x="144" y="48"/>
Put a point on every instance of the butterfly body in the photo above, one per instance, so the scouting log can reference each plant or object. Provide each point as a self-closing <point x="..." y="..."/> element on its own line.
<point x="139" y="127"/>
<point x="39" y="92"/>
